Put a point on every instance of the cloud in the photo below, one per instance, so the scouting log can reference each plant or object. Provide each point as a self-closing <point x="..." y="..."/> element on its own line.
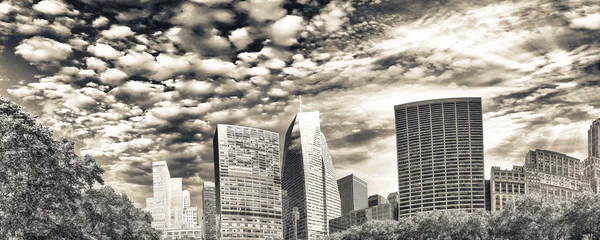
<point x="51" y="7"/>
<point x="285" y="31"/>
<point x="213" y="67"/>
<point x="240" y="38"/>
<point x="263" y="10"/>
<point x="40" y="49"/>
<point x="112" y="76"/>
<point x="591" y="21"/>
<point x="100" y="22"/>
<point x="104" y="51"/>
<point x="117" y="32"/>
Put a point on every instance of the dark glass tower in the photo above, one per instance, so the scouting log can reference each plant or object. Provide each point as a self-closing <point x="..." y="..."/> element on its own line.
<point x="440" y="155"/>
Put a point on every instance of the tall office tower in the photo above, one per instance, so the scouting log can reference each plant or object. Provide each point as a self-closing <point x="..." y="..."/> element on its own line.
<point x="177" y="217"/>
<point x="159" y="205"/>
<point x="591" y="165"/>
<point x="248" y="180"/>
<point x="554" y="175"/>
<point x="440" y="155"/>
<point x="309" y="179"/>
<point x="186" y="199"/>
<point x="209" y="209"/>
<point x="594" y="139"/>
<point x="353" y="193"/>
<point x="376" y="199"/>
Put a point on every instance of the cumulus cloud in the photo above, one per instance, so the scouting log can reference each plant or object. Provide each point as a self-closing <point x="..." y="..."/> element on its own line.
<point x="212" y="67"/>
<point x="104" y="51"/>
<point x="51" y="7"/>
<point x="240" y="38"/>
<point x="40" y="49"/>
<point x="116" y="31"/>
<point x="285" y="31"/>
<point x="112" y="76"/>
<point x="100" y="22"/>
<point x="263" y="10"/>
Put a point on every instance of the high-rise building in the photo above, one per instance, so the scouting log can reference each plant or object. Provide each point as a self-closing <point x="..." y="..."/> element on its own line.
<point x="209" y="210"/>
<point x="177" y="218"/>
<point x="309" y="179"/>
<point x="169" y="205"/>
<point x="376" y="199"/>
<point x="591" y="165"/>
<point x="353" y="193"/>
<point x="186" y="199"/>
<point x="594" y="139"/>
<point x="159" y="205"/>
<point x="248" y="183"/>
<point x="488" y="195"/>
<point x="440" y="155"/>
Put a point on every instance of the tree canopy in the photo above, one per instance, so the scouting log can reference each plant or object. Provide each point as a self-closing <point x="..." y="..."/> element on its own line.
<point x="528" y="217"/>
<point x="47" y="190"/>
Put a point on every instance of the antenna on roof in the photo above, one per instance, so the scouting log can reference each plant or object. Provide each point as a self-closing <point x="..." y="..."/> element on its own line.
<point x="300" y="106"/>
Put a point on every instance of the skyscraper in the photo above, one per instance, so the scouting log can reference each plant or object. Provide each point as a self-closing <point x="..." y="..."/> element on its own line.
<point x="177" y="215"/>
<point x="309" y="179"/>
<point x="248" y="183"/>
<point x="353" y="193"/>
<point x="209" y="209"/>
<point x="440" y="155"/>
<point x="594" y="139"/>
<point x="159" y="205"/>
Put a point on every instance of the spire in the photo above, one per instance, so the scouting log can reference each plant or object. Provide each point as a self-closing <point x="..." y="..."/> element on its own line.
<point x="300" y="107"/>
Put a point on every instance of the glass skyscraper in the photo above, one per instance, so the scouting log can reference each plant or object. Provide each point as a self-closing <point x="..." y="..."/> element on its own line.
<point x="440" y="155"/>
<point x="353" y="193"/>
<point x="248" y="183"/>
<point x="309" y="180"/>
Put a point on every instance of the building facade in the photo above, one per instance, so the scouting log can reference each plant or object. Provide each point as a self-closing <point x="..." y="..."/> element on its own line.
<point x="506" y="185"/>
<point x="376" y="199"/>
<point x="551" y="175"/>
<point x="159" y="205"/>
<point x="248" y="183"/>
<point x="309" y="180"/>
<point x="209" y="211"/>
<point x="353" y="193"/>
<point x="554" y="175"/>
<point x="385" y="211"/>
<point x="591" y="165"/>
<point x="440" y="155"/>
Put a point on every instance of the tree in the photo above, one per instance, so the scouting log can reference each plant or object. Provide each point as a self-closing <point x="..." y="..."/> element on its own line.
<point x="583" y="216"/>
<point x="108" y="215"/>
<point x="530" y="217"/>
<point x="43" y="183"/>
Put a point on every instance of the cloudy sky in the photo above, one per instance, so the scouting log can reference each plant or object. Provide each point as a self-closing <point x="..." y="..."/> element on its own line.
<point x="136" y="81"/>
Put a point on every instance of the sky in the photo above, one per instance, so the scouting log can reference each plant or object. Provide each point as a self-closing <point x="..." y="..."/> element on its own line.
<point x="136" y="81"/>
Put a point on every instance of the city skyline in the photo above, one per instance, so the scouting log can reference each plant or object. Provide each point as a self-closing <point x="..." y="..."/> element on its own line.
<point x="130" y="89"/>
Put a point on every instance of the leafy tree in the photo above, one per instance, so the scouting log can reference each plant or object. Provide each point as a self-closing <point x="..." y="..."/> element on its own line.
<point x="583" y="216"/>
<point x="109" y="215"/>
<point x="43" y="185"/>
<point x="530" y="217"/>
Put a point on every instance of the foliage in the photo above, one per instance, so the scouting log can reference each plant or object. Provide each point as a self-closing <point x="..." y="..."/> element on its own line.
<point x="528" y="217"/>
<point x="44" y="185"/>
